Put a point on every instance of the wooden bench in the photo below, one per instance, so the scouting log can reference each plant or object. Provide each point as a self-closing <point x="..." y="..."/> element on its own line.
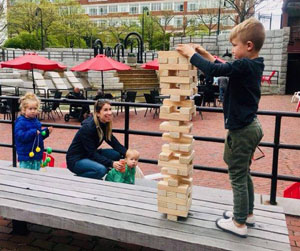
<point x="128" y="213"/>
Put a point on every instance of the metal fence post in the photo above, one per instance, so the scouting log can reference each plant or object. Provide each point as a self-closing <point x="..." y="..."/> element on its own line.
<point x="13" y="118"/>
<point x="275" y="160"/>
<point x="126" y="127"/>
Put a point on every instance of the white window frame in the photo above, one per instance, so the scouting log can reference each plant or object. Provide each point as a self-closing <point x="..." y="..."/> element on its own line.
<point x="133" y="6"/>
<point x="167" y="6"/>
<point x="179" y="6"/>
<point x="123" y="8"/>
<point x="155" y="6"/>
<point x="113" y="8"/>
<point x="104" y="12"/>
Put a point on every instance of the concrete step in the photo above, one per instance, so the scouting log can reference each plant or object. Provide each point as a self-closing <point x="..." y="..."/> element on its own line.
<point x="133" y="85"/>
<point x="140" y="80"/>
<point x="137" y="75"/>
<point x="133" y="71"/>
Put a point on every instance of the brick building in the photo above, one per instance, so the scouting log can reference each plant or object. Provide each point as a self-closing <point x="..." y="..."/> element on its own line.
<point x="116" y="12"/>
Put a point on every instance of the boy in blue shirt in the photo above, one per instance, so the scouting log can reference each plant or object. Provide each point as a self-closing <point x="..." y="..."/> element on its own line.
<point x="240" y="106"/>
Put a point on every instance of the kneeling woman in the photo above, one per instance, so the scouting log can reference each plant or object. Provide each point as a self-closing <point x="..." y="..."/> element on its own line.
<point x="83" y="156"/>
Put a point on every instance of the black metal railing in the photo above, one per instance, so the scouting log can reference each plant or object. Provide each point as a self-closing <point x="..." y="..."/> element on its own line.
<point x="276" y="145"/>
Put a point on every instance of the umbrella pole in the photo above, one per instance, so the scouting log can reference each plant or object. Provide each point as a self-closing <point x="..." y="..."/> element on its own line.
<point x="102" y="82"/>
<point x="33" y="82"/>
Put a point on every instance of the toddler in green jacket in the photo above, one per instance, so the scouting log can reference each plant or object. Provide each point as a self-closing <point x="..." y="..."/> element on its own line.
<point x="127" y="175"/>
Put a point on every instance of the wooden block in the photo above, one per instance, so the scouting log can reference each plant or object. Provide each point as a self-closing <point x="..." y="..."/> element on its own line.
<point x="170" y="194"/>
<point x="177" y="92"/>
<point x="173" y="60"/>
<point x="174" y="163"/>
<point x="187" y="181"/>
<point x="185" y="159"/>
<point x="185" y="207"/>
<point x="175" y="79"/>
<point x="171" y="205"/>
<point x="177" y="98"/>
<point x="163" y="73"/>
<point x="185" y="138"/>
<point x="175" y="123"/>
<point x="167" y="109"/>
<point x="185" y="103"/>
<point x="163" y="193"/>
<point x="169" y="54"/>
<point x="182" y="188"/>
<point x="169" y="171"/>
<point x="161" y="203"/>
<point x="165" y="156"/>
<point x="175" y="116"/>
<point x="172" y="200"/>
<point x="173" y="182"/>
<point x="184" y="67"/>
<point x="172" y="211"/>
<point x="186" y="110"/>
<point x="172" y="217"/>
<point x="175" y="135"/>
<point x="180" y="147"/>
<point x="183" y="60"/>
<point x="165" y="148"/>
<point x="162" y="60"/>
<point x="183" y="128"/>
<point x="165" y="85"/>
<point x="189" y="73"/>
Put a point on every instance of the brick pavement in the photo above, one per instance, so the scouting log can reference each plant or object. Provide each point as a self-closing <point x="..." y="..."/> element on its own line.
<point x="208" y="154"/>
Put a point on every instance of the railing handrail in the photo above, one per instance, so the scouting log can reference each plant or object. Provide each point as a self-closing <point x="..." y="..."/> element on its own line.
<point x="276" y="145"/>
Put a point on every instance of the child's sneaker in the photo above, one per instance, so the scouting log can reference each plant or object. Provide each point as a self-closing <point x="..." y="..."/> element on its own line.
<point x="250" y="222"/>
<point x="228" y="225"/>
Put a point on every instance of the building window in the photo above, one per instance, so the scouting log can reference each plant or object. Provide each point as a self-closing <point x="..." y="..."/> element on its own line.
<point x="167" y="6"/>
<point x="93" y="11"/>
<point x="123" y="8"/>
<point x="193" y="6"/>
<point x="102" y="10"/>
<point x="113" y="8"/>
<point x="178" y="7"/>
<point x="178" y="22"/>
<point x="133" y="9"/>
<point x="155" y="6"/>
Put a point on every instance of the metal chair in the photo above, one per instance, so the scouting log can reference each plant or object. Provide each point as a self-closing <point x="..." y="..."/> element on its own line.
<point x="150" y="100"/>
<point x="129" y="97"/>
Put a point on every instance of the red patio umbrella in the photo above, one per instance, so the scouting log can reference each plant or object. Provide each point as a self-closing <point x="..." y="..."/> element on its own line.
<point x="32" y="61"/>
<point x="101" y="63"/>
<point x="151" y="65"/>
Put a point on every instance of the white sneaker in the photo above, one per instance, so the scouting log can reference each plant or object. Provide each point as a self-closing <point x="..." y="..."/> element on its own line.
<point x="228" y="225"/>
<point x="250" y="222"/>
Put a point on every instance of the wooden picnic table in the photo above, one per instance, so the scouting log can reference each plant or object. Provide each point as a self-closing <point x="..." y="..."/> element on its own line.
<point x="128" y="213"/>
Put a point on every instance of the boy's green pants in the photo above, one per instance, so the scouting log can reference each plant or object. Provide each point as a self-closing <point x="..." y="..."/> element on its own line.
<point x="240" y="145"/>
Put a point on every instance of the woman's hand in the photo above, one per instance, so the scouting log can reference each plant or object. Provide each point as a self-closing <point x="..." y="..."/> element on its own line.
<point x="118" y="165"/>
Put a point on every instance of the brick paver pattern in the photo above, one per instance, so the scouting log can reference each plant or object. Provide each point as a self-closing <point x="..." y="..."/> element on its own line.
<point x="207" y="154"/>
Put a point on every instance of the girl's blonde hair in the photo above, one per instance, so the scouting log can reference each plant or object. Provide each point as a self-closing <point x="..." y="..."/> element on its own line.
<point x="29" y="97"/>
<point x="97" y="108"/>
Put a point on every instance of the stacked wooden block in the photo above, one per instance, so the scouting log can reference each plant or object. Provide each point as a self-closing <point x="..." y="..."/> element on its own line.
<point x="178" y="80"/>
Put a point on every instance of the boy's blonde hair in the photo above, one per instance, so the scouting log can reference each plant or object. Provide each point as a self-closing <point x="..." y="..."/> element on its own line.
<point x="249" y="30"/>
<point x="29" y="97"/>
<point x="132" y="152"/>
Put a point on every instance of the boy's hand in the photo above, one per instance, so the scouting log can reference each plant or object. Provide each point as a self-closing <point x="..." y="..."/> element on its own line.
<point x="186" y="50"/>
<point x="200" y="49"/>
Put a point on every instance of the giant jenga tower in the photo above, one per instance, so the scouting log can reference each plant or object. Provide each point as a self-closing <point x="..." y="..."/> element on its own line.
<point x="178" y="79"/>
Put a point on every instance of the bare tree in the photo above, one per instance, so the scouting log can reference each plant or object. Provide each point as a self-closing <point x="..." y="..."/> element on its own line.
<point x="244" y="8"/>
<point x="3" y="23"/>
<point x="210" y="18"/>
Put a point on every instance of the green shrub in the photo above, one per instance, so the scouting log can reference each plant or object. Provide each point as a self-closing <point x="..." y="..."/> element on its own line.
<point x="23" y="41"/>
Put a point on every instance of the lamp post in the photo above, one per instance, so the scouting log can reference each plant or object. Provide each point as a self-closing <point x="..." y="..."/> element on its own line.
<point x="219" y="16"/>
<point x="37" y="11"/>
<point x="145" y="9"/>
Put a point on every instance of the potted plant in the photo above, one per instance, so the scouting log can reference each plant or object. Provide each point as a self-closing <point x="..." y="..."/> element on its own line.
<point x="131" y="59"/>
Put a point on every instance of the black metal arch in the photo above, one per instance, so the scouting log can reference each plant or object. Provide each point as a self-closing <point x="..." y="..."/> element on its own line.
<point x="108" y="51"/>
<point x="117" y="50"/>
<point x="140" y="45"/>
<point x="98" y="47"/>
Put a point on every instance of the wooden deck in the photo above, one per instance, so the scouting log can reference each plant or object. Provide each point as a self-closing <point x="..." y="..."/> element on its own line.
<point x="128" y="213"/>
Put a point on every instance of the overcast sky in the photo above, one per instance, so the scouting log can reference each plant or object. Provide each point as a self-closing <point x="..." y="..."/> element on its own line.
<point x="266" y="8"/>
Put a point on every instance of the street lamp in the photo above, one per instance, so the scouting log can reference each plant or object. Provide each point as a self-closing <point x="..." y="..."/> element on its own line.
<point x="37" y="11"/>
<point x="145" y="9"/>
